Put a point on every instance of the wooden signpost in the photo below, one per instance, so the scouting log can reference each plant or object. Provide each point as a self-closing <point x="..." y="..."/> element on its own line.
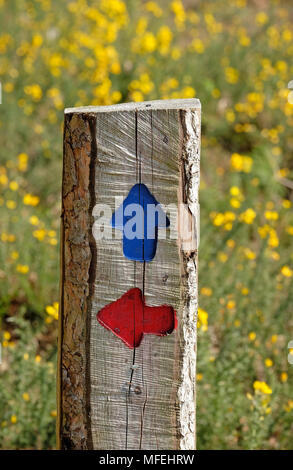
<point x="127" y="336"/>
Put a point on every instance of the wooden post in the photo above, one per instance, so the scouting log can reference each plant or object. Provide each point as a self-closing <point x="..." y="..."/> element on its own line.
<point x="112" y="396"/>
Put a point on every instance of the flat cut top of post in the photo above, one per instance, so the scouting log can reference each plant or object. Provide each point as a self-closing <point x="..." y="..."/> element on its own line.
<point x="190" y="103"/>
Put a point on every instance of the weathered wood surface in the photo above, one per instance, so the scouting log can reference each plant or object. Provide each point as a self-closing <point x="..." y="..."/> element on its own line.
<point x="112" y="397"/>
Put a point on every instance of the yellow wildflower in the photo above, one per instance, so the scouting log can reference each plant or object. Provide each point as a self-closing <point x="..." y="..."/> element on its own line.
<point x="244" y="40"/>
<point x="34" y="220"/>
<point x="241" y="163"/>
<point x="116" y="96"/>
<point x="286" y="271"/>
<point x="284" y="377"/>
<point x="175" y="53"/>
<point x="34" y="91"/>
<point x="235" y="191"/>
<point x="137" y="96"/>
<point x="22" y="161"/>
<point x="231" y="304"/>
<point x="262" y="18"/>
<point x="14" y="255"/>
<point x="202" y="319"/>
<point x="273" y="238"/>
<point x="235" y="203"/>
<point x="164" y="38"/>
<point x="248" y="216"/>
<point x="230" y="115"/>
<point x="52" y="310"/>
<point x="262" y="387"/>
<point x="30" y="200"/>
<point x="216" y="93"/>
<point x="3" y="179"/>
<point x="116" y="68"/>
<point x="26" y="396"/>
<point x="232" y="75"/>
<point x="39" y="234"/>
<point x="11" y="204"/>
<point x="275" y="255"/>
<point x="179" y="13"/>
<point x="13" y="185"/>
<point x="37" y="40"/>
<point x="206" y="291"/>
<point x="145" y="44"/>
<point x="230" y="243"/>
<point x="198" y="46"/>
<point x="22" y="268"/>
<point x="271" y="215"/>
<point x="289" y="406"/>
<point x="7" y="237"/>
<point x="154" y="8"/>
<point x="222" y="257"/>
<point x="8" y="87"/>
<point x="219" y="219"/>
<point x="286" y="203"/>
<point x="188" y="92"/>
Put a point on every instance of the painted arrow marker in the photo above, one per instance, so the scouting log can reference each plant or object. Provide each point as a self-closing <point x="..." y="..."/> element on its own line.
<point x="139" y="217"/>
<point x="129" y="318"/>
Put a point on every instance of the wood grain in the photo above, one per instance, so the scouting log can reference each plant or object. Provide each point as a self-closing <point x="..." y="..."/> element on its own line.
<point x="112" y="397"/>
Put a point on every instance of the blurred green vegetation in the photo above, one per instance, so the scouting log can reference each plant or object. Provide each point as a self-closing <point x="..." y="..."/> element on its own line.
<point x="235" y="57"/>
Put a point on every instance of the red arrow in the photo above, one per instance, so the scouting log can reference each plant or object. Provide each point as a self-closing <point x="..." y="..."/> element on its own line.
<point x="129" y="318"/>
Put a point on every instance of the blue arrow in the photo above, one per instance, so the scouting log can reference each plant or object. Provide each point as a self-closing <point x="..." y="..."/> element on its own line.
<point x="139" y="217"/>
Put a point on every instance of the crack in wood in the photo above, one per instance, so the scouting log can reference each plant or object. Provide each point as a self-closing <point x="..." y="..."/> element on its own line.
<point x="128" y="397"/>
<point x="92" y="271"/>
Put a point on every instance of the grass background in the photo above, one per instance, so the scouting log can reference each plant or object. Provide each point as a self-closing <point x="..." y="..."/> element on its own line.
<point x="237" y="58"/>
